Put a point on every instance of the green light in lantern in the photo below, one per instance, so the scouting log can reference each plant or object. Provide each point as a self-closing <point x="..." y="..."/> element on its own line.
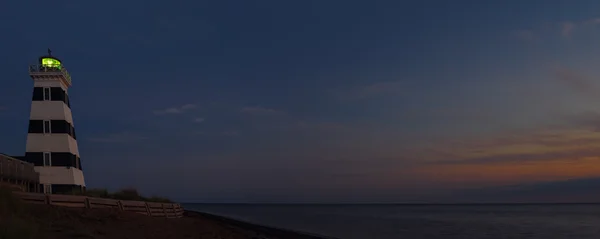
<point x="51" y="62"/>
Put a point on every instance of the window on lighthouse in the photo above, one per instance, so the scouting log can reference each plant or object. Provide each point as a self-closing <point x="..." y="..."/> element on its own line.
<point x="47" y="159"/>
<point x="46" y="93"/>
<point x="46" y="126"/>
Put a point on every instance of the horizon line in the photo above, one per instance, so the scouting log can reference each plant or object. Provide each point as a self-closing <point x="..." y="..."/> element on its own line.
<point x="402" y="204"/>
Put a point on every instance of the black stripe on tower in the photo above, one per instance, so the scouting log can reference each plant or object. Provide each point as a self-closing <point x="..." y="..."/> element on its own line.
<point x="51" y="127"/>
<point x="59" y="159"/>
<point x="51" y="94"/>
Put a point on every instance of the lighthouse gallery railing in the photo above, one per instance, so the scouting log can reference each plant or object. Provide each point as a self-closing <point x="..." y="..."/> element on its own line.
<point x="45" y="70"/>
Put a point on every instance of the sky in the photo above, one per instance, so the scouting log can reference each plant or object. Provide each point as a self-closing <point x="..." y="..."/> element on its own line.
<point x="320" y="101"/>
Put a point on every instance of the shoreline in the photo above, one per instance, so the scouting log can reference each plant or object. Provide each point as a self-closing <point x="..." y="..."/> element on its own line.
<point x="266" y="232"/>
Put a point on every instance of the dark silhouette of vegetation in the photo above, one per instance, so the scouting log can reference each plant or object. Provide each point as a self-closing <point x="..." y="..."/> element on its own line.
<point x="15" y="222"/>
<point x="124" y="194"/>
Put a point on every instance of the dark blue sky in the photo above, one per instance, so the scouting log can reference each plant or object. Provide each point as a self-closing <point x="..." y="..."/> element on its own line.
<point x="326" y="101"/>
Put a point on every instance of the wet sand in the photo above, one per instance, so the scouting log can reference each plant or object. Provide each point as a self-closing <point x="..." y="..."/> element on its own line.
<point x="258" y="231"/>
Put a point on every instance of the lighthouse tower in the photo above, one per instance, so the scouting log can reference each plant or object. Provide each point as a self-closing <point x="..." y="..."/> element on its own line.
<point x="51" y="140"/>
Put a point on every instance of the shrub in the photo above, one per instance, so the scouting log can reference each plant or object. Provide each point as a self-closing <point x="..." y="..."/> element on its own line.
<point x="127" y="194"/>
<point x="158" y="199"/>
<point x="123" y="194"/>
<point x="100" y="193"/>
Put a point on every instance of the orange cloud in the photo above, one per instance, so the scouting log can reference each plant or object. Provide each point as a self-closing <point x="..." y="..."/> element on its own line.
<point x="510" y="173"/>
<point x="536" y="156"/>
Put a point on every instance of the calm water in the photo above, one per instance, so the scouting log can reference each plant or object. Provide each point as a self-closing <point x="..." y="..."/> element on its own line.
<point x="424" y="221"/>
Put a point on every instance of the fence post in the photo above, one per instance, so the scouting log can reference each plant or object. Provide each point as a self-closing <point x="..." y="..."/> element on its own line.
<point x="47" y="199"/>
<point x="120" y="204"/>
<point x="164" y="210"/>
<point x="148" y="209"/>
<point x="171" y="208"/>
<point x="87" y="203"/>
<point x="177" y="210"/>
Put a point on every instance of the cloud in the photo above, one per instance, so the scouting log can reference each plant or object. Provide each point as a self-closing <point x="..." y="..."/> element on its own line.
<point x="525" y="35"/>
<point x="593" y="21"/>
<point x="566" y="29"/>
<point x="175" y="110"/>
<point x="587" y="120"/>
<point x="2" y="108"/>
<point x="260" y="110"/>
<point x="199" y="120"/>
<point x="575" y="139"/>
<point x="572" y="155"/>
<point x="576" y="81"/>
<point x="188" y="106"/>
<point x="123" y="137"/>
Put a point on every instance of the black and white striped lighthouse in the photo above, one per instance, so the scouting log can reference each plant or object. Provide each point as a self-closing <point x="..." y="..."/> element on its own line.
<point x="51" y="140"/>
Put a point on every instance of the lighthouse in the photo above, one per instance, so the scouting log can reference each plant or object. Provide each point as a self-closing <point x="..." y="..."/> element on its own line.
<point x="51" y="139"/>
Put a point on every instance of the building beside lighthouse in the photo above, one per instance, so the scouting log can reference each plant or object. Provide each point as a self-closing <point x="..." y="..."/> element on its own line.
<point x="51" y="140"/>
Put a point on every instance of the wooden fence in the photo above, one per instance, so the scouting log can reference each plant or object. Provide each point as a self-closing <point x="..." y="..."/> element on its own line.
<point x="168" y="210"/>
<point x="20" y="175"/>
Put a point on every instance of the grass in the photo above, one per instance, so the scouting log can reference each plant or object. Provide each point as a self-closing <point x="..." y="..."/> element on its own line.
<point x="19" y="220"/>
<point x="124" y="194"/>
<point x="9" y="205"/>
<point x="15" y="221"/>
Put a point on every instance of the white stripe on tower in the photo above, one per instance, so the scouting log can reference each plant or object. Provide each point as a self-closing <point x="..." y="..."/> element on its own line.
<point x="51" y="139"/>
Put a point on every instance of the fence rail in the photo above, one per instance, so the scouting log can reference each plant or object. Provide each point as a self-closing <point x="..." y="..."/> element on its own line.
<point x="168" y="210"/>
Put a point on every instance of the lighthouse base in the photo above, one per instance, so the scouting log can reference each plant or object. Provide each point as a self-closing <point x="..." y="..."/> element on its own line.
<point x="62" y="188"/>
<point x="60" y="179"/>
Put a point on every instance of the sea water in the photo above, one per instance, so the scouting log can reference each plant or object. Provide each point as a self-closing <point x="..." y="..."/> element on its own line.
<point x="548" y="221"/>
